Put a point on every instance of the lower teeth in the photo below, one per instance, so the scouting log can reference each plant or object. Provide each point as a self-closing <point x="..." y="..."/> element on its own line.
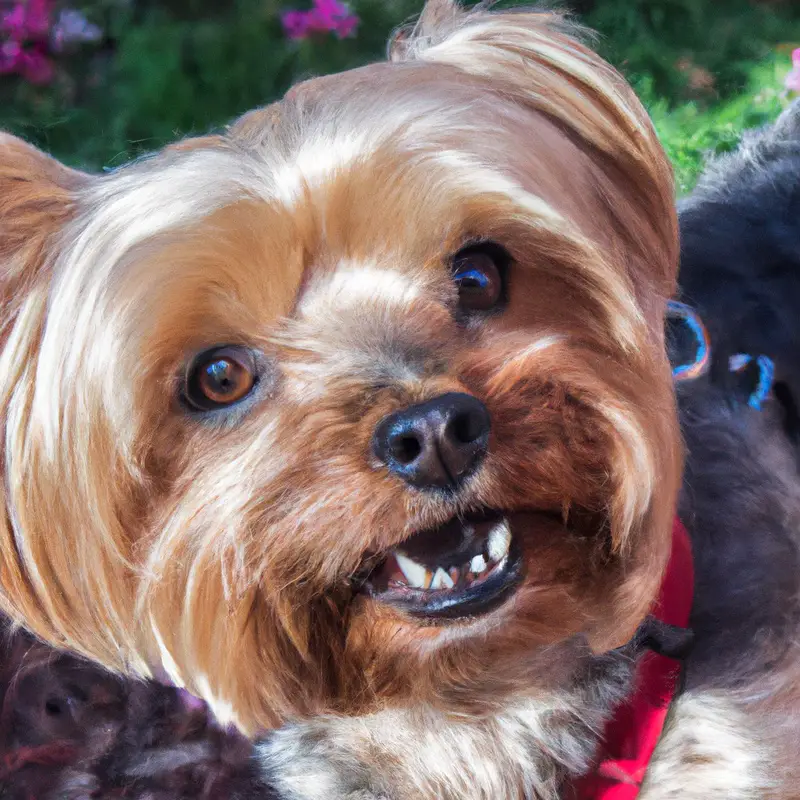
<point x="404" y="572"/>
<point x="416" y="576"/>
<point x="441" y="580"/>
<point x="477" y="565"/>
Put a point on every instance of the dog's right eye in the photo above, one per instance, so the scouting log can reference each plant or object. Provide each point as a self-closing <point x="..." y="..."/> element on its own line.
<point x="220" y="377"/>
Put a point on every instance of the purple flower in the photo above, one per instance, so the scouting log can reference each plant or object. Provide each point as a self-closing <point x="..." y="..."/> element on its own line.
<point x="72" y="27"/>
<point x="326" y="16"/>
<point x="10" y="52"/>
<point x="792" y="80"/>
<point x="29" y="36"/>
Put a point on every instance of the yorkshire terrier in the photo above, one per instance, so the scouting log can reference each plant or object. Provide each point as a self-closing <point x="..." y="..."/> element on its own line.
<point x="358" y="419"/>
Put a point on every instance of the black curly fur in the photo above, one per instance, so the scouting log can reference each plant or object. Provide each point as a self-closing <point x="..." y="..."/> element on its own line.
<point x="71" y="731"/>
<point x="740" y="268"/>
<point x="740" y="255"/>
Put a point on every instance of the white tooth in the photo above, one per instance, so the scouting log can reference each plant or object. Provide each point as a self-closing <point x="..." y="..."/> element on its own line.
<point x="499" y="541"/>
<point x="477" y="565"/>
<point x="415" y="573"/>
<point x="441" y="580"/>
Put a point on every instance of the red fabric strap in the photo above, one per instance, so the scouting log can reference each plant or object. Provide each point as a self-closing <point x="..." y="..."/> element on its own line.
<point x="632" y="734"/>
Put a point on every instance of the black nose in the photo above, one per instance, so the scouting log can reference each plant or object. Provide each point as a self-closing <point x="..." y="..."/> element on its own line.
<point x="435" y="444"/>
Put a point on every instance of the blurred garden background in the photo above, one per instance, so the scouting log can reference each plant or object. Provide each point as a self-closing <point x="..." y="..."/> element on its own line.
<point x="99" y="82"/>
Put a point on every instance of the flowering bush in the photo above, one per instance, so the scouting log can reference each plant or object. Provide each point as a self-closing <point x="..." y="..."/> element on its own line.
<point x="25" y="30"/>
<point x="32" y="33"/>
<point x="326" y="16"/>
<point x="98" y="82"/>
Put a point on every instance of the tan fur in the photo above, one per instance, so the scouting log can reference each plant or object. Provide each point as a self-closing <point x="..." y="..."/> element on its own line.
<point x="523" y="750"/>
<point x="221" y="551"/>
<point x="709" y="749"/>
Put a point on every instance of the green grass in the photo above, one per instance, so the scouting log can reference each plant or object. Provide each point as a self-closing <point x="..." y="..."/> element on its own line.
<point x="706" y="70"/>
<point x="691" y="132"/>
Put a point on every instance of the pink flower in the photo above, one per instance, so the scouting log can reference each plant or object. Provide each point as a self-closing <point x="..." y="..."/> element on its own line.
<point x="326" y="16"/>
<point x="295" y="24"/>
<point x="35" y="66"/>
<point x="24" y="29"/>
<point x="28" y="19"/>
<point x="792" y="80"/>
<point x="346" y="26"/>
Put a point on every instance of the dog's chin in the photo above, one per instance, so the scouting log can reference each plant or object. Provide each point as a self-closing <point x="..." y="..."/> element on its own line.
<point x="464" y="568"/>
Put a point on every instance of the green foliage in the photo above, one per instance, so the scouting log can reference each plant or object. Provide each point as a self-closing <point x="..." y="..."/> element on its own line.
<point x="670" y="43"/>
<point x="706" y="69"/>
<point x="692" y="131"/>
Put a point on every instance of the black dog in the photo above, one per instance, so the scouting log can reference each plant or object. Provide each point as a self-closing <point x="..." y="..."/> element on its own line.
<point x="740" y="270"/>
<point x="740" y="255"/>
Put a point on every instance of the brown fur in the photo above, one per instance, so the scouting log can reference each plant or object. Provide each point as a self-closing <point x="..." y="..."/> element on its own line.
<point x="223" y="550"/>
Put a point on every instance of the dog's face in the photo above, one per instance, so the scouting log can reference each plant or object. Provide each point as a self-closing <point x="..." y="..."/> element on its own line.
<point x="364" y="401"/>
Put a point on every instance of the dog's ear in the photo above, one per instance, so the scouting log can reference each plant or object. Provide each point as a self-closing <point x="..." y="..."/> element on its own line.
<point x="37" y="197"/>
<point x="439" y="19"/>
<point x="539" y="57"/>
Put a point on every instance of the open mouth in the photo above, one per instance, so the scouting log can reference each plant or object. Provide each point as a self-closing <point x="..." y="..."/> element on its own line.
<point x="465" y="567"/>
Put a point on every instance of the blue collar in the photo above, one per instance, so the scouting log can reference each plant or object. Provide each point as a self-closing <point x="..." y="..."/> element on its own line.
<point x="697" y="362"/>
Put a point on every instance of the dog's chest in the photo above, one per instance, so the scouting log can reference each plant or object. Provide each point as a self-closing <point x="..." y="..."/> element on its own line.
<point x="530" y="748"/>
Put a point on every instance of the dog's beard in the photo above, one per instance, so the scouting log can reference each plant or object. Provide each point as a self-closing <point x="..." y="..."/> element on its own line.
<point x="261" y="554"/>
<point x="311" y="561"/>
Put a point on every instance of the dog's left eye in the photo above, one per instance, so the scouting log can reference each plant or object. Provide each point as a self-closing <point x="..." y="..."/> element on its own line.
<point x="478" y="272"/>
<point x="220" y="377"/>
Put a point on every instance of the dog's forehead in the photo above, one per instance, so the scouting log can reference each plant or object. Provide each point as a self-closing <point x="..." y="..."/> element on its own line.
<point x="381" y="172"/>
<point x="354" y="190"/>
<point x="417" y="115"/>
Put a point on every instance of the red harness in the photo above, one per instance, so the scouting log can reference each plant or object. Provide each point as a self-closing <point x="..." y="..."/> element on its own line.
<point x="631" y="735"/>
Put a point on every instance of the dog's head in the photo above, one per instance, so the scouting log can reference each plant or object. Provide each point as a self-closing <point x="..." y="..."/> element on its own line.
<point x="364" y="400"/>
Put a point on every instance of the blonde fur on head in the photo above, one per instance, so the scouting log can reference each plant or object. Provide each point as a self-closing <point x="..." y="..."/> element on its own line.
<point x="230" y="549"/>
<point x="538" y="58"/>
